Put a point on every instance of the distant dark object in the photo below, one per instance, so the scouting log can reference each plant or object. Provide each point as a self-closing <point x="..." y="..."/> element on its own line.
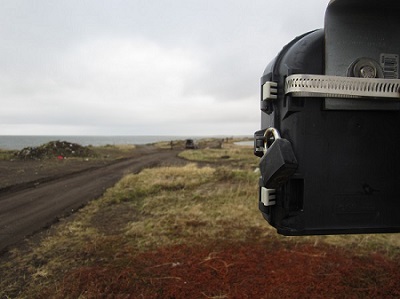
<point x="190" y="144"/>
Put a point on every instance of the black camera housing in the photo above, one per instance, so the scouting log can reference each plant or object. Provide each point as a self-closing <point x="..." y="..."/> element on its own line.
<point x="347" y="174"/>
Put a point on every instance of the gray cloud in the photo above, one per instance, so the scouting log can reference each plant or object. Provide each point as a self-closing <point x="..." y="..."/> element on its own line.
<point x="141" y="67"/>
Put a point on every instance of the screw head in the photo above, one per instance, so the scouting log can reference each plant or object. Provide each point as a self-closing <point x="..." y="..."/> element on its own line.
<point x="367" y="71"/>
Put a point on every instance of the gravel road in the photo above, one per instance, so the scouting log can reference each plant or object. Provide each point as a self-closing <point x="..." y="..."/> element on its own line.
<point x="27" y="211"/>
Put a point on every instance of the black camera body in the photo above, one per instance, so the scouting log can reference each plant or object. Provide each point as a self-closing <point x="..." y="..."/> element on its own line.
<point x="330" y="125"/>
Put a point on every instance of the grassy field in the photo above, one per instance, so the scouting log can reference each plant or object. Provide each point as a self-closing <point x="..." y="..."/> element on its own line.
<point x="6" y="154"/>
<point x="194" y="232"/>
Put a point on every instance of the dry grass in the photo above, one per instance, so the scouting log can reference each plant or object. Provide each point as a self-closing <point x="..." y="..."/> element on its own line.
<point x="234" y="156"/>
<point x="117" y="151"/>
<point x="201" y="206"/>
<point x="6" y="154"/>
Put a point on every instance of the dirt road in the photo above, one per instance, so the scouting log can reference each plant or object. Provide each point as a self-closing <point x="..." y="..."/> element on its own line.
<point x="26" y="211"/>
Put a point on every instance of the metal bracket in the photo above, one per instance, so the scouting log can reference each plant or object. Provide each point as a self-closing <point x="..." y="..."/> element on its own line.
<point x="301" y="85"/>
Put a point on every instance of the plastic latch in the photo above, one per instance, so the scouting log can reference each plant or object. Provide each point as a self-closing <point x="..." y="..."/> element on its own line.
<point x="270" y="91"/>
<point x="268" y="196"/>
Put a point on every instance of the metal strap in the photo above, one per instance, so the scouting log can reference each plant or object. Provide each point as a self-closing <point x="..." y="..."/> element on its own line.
<point x="301" y="85"/>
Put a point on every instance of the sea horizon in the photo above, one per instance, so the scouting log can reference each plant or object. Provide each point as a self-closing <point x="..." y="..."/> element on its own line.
<point x="18" y="142"/>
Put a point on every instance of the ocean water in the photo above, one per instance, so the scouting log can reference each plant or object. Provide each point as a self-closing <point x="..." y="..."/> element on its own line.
<point x="20" y="142"/>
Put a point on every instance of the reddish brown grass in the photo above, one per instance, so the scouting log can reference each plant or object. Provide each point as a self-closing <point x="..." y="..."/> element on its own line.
<point x="239" y="271"/>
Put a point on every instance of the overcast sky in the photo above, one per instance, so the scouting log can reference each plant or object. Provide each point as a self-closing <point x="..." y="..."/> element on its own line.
<point x="141" y="67"/>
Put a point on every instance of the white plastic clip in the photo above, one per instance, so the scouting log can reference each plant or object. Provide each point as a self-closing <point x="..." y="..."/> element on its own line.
<point x="268" y="196"/>
<point x="269" y="91"/>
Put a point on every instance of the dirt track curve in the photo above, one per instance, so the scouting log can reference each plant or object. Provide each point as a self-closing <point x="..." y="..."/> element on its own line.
<point x="26" y="211"/>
